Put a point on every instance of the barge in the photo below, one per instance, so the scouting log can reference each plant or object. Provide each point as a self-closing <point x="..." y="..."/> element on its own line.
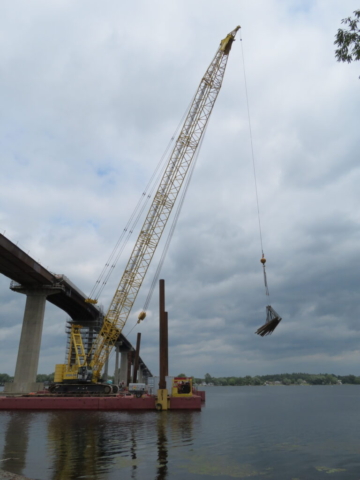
<point x="79" y="402"/>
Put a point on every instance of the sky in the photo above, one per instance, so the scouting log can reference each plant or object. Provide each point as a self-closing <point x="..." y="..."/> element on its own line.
<point x="91" y="94"/>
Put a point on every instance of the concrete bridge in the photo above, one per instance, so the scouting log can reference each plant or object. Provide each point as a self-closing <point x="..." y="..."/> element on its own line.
<point x="39" y="285"/>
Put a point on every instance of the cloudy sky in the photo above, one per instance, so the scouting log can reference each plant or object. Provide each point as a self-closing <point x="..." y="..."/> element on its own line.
<point x="91" y="93"/>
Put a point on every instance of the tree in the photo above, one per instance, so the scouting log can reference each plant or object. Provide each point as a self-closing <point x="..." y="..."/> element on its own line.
<point x="208" y="378"/>
<point x="4" y="378"/>
<point x="330" y="379"/>
<point x="181" y="375"/>
<point x="248" y="380"/>
<point x="348" y="41"/>
<point x="44" y="377"/>
<point x="257" y="381"/>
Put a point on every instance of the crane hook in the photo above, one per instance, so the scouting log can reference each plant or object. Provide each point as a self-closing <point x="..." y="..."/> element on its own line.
<point x="263" y="261"/>
<point x="141" y="316"/>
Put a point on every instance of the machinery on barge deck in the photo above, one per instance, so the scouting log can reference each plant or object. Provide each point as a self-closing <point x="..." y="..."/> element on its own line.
<point x="84" y="373"/>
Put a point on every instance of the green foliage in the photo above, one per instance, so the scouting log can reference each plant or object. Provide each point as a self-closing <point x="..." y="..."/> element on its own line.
<point x="43" y="377"/>
<point x="351" y="379"/>
<point x="348" y="41"/>
<point x="182" y="375"/>
<point x="257" y="381"/>
<point x="281" y="379"/>
<point x="4" y="378"/>
<point x="248" y="380"/>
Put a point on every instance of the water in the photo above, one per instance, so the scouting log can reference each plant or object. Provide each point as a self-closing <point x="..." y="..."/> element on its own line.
<point x="279" y="433"/>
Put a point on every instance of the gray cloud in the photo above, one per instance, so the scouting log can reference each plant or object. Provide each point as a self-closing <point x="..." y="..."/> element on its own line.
<point x="91" y="96"/>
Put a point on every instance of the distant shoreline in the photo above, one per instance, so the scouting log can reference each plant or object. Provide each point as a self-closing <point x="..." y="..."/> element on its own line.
<point x="281" y="385"/>
<point x="284" y="379"/>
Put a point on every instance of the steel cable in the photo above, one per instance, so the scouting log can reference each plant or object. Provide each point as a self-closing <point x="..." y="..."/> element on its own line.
<point x="254" y="168"/>
<point x="134" y="218"/>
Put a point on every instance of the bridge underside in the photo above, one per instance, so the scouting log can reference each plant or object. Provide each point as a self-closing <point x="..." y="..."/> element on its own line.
<point x="25" y="271"/>
<point x="39" y="285"/>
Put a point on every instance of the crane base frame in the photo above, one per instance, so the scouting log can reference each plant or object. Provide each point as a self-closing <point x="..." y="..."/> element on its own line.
<point x="86" y="388"/>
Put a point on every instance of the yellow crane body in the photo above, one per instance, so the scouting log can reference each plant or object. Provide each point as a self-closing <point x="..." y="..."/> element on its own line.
<point x="158" y="214"/>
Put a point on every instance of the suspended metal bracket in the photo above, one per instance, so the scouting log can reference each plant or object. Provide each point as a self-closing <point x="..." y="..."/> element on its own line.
<point x="272" y="321"/>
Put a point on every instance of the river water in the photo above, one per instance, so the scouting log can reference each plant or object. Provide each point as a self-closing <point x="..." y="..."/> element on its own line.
<point x="279" y="433"/>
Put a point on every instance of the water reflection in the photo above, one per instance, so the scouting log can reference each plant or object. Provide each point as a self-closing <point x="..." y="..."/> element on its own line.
<point x="98" y="445"/>
<point x="310" y="433"/>
<point x="16" y="442"/>
<point x="162" y="458"/>
<point x="133" y="451"/>
<point x="181" y="427"/>
<point x="74" y="445"/>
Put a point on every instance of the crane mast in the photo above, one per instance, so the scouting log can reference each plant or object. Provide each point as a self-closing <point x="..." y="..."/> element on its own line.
<point x="161" y="207"/>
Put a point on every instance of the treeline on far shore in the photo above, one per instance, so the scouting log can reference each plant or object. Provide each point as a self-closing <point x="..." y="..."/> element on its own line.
<point x="278" y="379"/>
<point x="42" y="377"/>
<point x="281" y="379"/>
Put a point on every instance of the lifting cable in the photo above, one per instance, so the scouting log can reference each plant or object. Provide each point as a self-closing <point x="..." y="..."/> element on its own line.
<point x="174" y="222"/>
<point x="263" y="259"/>
<point x="133" y="220"/>
<point x="272" y="318"/>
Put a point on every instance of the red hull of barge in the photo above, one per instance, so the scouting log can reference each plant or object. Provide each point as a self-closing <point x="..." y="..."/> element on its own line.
<point x="200" y="393"/>
<point x="95" y="403"/>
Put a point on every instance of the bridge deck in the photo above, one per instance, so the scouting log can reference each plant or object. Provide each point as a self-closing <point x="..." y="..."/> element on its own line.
<point x="27" y="272"/>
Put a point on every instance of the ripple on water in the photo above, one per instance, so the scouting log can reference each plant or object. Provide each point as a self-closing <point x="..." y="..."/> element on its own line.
<point x="258" y="433"/>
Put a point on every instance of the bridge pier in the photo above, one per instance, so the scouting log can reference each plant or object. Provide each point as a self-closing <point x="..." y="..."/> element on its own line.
<point x="117" y="370"/>
<point x="30" y="340"/>
<point x="123" y="377"/>
<point x="106" y="370"/>
<point x="33" y="280"/>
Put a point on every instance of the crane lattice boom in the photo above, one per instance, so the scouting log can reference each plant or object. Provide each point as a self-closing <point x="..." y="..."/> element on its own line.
<point x="161" y="207"/>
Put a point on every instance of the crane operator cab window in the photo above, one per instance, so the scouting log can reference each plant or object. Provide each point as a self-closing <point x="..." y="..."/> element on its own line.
<point x="182" y="386"/>
<point x="84" y="374"/>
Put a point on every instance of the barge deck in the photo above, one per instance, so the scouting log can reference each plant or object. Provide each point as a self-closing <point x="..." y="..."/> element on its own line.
<point x="80" y="402"/>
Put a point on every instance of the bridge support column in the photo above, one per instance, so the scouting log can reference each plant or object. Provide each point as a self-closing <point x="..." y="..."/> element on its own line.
<point x="145" y="376"/>
<point x="30" y="340"/>
<point x="106" y="370"/>
<point x="116" y="372"/>
<point x="124" y="366"/>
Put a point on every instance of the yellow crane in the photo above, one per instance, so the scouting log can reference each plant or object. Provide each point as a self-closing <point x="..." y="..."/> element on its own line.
<point x="85" y="373"/>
